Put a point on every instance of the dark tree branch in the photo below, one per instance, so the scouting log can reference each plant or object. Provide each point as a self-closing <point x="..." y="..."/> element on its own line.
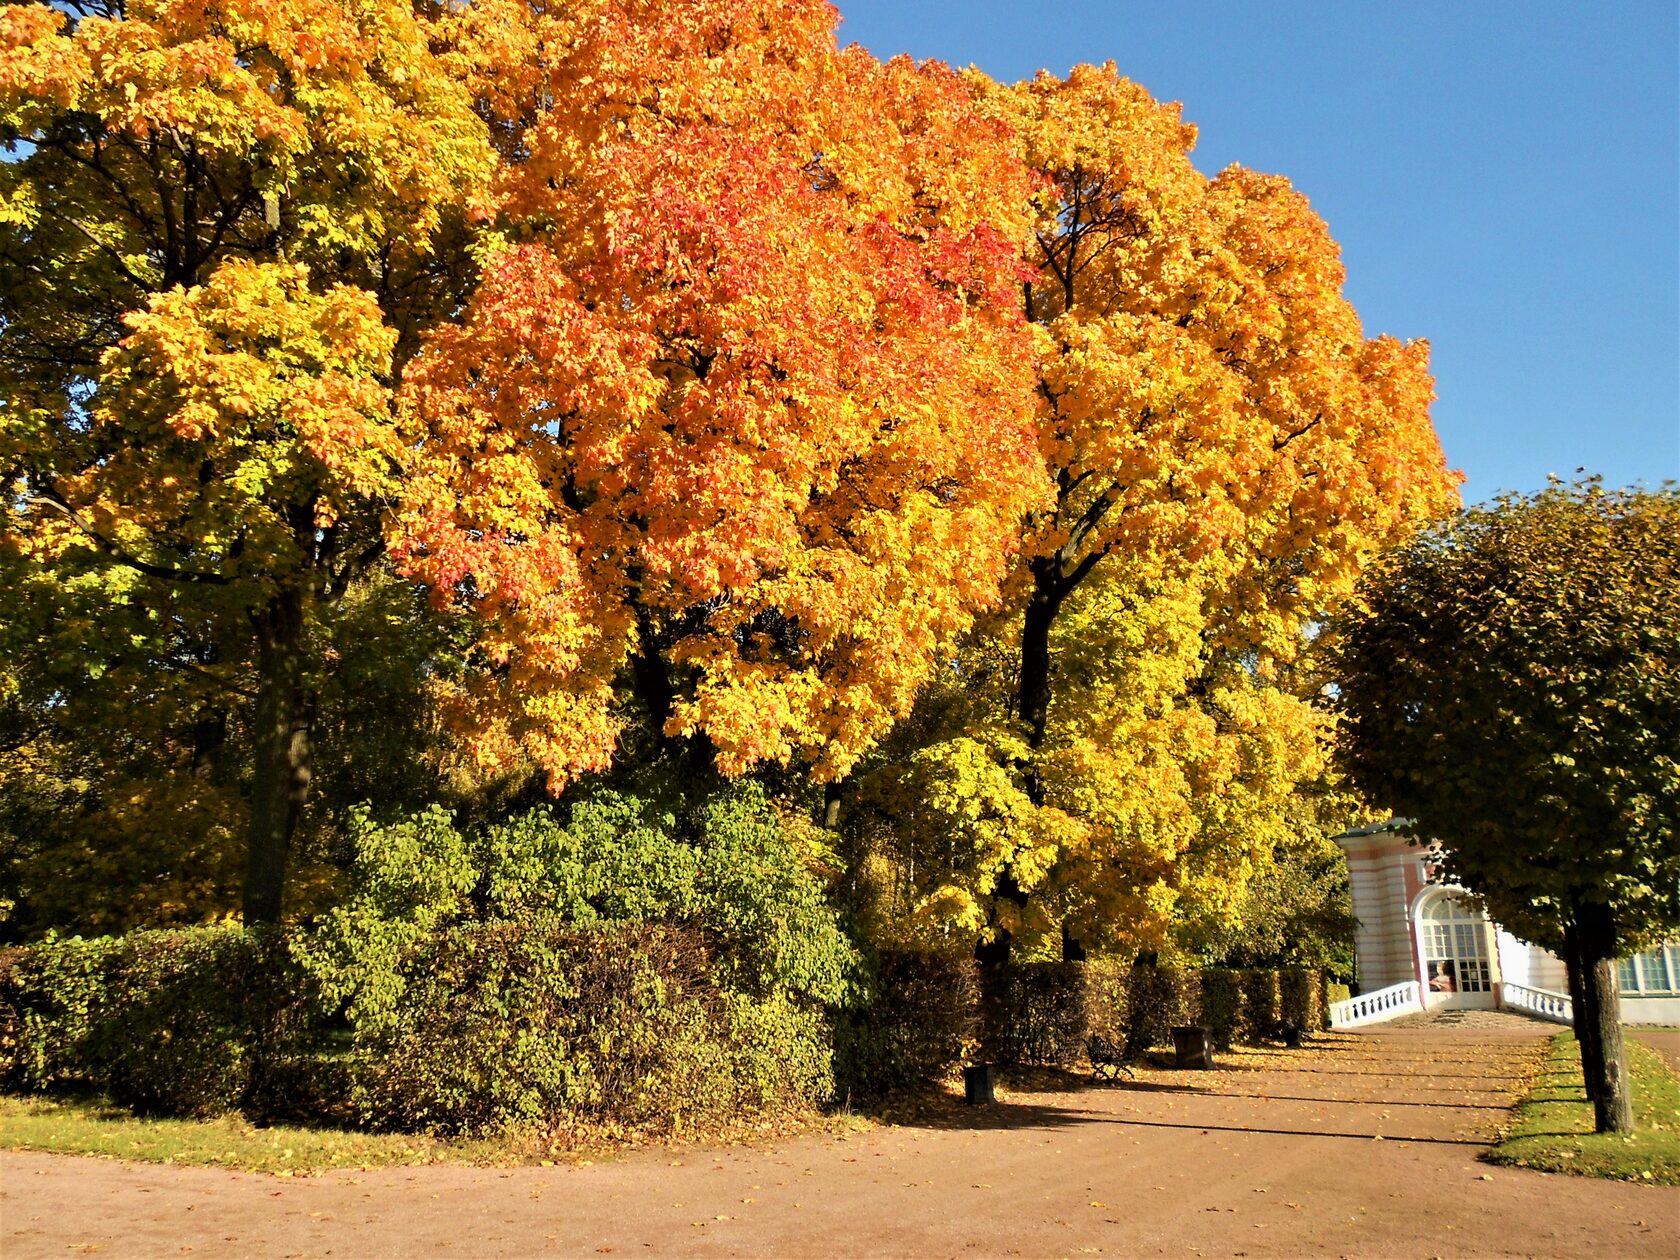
<point x="167" y="573"/>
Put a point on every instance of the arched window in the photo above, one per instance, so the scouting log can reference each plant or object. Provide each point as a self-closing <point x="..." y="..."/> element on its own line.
<point x="1454" y="936"/>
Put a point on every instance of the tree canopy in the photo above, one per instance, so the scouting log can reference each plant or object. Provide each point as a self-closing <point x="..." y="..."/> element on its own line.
<point x="1512" y="685"/>
<point x="612" y="382"/>
<point x="1225" y="451"/>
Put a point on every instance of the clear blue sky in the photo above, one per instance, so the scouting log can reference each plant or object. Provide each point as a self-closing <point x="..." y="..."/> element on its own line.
<point x="1504" y="179"/>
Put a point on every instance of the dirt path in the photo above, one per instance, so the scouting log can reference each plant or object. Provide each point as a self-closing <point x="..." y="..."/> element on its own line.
<point x="1364" y="1145"/>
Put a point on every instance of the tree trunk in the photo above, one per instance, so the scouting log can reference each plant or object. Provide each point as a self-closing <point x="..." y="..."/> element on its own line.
<point x="282" y="755"/>
<point x="1598" y="1026"/>
<point x="1072" y="950"/>
<point x="1591" y="1070"/>
<point x="650" y="679"/>
<point x="1033" y="692"/>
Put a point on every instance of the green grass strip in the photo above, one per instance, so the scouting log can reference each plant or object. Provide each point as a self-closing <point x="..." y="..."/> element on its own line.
<point x="78" y="1127"/>
<point x="1553" y="1128"/>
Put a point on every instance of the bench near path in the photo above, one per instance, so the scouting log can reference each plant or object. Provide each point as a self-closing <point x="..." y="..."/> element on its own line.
<point x="1362" y="1144"/>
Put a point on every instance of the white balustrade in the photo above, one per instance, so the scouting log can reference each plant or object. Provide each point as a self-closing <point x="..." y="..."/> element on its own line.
<point x="1405" y="998"/>
<point x="1541" y="1003"/>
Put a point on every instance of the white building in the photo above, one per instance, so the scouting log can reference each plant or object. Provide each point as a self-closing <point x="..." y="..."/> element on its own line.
<point x="1423" y="943"/>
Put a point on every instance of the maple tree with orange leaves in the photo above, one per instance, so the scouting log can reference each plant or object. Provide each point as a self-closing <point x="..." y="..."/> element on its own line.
<point x="1227" y="451"/>
<point x="741" y="411"/>
<point x="681" y="357"/>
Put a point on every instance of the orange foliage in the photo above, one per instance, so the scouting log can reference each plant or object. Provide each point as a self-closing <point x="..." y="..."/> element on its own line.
<point x="1208" y="387"/>
<point x="745" y="392"/>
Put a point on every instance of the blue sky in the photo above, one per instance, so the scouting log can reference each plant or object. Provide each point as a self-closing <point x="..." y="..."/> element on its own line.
<point x="1504" y="179"/>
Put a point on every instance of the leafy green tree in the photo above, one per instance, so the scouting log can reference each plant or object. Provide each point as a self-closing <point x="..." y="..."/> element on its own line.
<point x="223" y="231"/>
<point x="1295" y="911"/>
<point x="125" y="766"/>
<point x="1514" y="688"/>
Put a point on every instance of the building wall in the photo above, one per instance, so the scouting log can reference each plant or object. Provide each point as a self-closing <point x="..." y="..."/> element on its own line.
<point x="1381" y="874"/>
<point x="1525" y="964"/>
<point x="1386" y="875"/>
<point x="1650" y="1010"/>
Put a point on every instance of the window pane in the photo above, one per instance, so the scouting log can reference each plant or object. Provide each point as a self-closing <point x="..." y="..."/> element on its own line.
<point x="1653" y="972"/>
<point x="1627" y="976"/>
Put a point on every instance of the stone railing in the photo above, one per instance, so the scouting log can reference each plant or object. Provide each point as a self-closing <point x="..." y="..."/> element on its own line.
<point x="1405" y="998"/>
<point x="1541" y="1003"/>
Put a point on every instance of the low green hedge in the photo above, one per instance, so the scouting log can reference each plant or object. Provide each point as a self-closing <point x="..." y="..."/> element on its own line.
<point x="497" y="1024"/>
<point x="1042" y="1013"/>
<point x="1035" y="1012"/>
<point x="185" y="1023"/>
<point x="917" y="1018"/>
<point x="479" y="1025"/>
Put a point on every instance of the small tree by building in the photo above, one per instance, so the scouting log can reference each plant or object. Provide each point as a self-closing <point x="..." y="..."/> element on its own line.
<point x="1513" y="686"/>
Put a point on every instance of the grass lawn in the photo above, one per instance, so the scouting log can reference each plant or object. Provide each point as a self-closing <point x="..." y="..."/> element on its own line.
<point x="77" y="1127"/>
<point x="1553" y="1128"/>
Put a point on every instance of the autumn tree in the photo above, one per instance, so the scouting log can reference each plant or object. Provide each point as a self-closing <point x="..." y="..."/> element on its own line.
<point x="736" y="430"/>
<point x="1226" y="451"/>
<point x="1513" y="686"/>
<point x="223" y="231"/>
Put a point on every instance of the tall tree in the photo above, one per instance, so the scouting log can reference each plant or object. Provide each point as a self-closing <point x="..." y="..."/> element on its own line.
<point x="1226" y="451"/>
<point x="222" y="232"/>
<point x="1513" y="686"/>
<point x="739" y="420"/>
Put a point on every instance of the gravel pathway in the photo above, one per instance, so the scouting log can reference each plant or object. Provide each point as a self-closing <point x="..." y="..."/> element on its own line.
<point x="1363" y="1144"/>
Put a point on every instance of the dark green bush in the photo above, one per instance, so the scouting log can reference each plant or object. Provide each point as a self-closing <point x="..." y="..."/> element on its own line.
<point x="175" y="1036"/>
<point x="1303" y="997"/>
<point x="919" y="1015"/>
<point x="51" y="1006"/>
<point x="185" y="1022"/>
<point x="1262" y="1002"/>
<point x="1034" y="1012"/>
<point x="508" y="1024"/>
<point x="1222" y="1007"/>
<point x="1158" y="1000"/>
<point x="494" y="1024"/>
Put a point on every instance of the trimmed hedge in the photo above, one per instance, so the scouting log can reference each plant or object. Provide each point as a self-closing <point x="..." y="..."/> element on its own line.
<point x="923" y="1009"/>
<point x="503" y="1024"/>
<point x="919" y="1018"/>
<point x="491" y="1024"/>
<point x="1042" y="1012"/>
<point x="1035" y="1012"/>
<point x="496" y="1024"/>
<point x="191" y="1022"/>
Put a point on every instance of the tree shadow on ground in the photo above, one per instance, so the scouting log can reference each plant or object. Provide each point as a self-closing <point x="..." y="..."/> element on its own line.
<point x="1004" y="1115"/>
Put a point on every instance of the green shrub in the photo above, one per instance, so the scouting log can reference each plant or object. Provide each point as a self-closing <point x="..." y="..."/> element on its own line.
<point x="918" y="1016"/>
<point x="183" y="1022"/>
<point x="1303" y="997"/>
<point x="51" y="1005"/>
<point x="1107" y="997"/>
<point x="509" y="1024"/>
<point x="1222" y="1007"/>
<point x="1158" y="1000"/>
<point x="725" y="868"/>
<point x="1262" y="1002"/>
<point x="1034" y="1012"/>
<point x="630" y="964"/>
<point x="174" y="1037"/>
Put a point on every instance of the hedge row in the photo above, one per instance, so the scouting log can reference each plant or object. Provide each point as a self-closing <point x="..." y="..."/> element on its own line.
<point x="496" y="1024"/>
<point x="926" y="1010"/>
